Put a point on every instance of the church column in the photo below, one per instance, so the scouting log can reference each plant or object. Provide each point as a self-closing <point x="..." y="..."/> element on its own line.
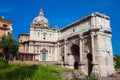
<point x="33" y="57"/>
<point x="81" y="64"/>
<point x="95" y="71"/>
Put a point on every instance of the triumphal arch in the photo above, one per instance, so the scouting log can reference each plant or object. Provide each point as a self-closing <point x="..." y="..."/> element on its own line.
<point x="84" y="44"/>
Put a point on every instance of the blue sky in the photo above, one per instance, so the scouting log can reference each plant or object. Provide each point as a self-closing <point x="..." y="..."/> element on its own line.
<point x="60" y="13"/>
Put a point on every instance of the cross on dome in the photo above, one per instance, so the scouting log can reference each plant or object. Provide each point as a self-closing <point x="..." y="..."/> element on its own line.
<point x="41" y="13"/>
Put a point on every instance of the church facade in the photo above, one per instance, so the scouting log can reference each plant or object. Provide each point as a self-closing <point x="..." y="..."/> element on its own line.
<point x="84" y="44"/>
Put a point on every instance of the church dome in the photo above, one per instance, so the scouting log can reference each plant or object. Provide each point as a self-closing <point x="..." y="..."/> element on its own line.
<point x="40" y="21"/>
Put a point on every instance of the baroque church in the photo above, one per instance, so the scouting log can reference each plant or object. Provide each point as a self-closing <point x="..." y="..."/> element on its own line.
<point x="84" y="44"/>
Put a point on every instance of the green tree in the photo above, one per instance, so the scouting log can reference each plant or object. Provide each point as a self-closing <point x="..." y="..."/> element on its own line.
<point x="117" y="61"/>
<point x="9" y="46"/>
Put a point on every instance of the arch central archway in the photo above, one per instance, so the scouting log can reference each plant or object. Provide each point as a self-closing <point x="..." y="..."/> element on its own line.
<point x="75" y="54"/>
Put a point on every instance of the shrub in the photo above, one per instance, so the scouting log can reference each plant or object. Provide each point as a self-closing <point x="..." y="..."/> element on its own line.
<point x="117" y="61"/>
<point x="91" y="78"/>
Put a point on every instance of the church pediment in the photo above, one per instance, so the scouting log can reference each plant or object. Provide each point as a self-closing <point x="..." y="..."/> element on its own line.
<point x="44" y="50"/>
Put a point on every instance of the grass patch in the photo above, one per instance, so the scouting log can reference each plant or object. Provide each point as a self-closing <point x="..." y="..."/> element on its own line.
<point x="3" y="64"/>
<point x="91" y="78"/>
<point x="30" y="72"/>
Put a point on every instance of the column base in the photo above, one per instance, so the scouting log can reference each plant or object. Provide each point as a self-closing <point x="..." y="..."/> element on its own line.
<point x="81" y="63"/>
<point x="95" y="72"/>
<point x="94" y="63"/>
<point x="81" y="66"/>
<point x="65" y="64"/>
<point x="96" y="75"/>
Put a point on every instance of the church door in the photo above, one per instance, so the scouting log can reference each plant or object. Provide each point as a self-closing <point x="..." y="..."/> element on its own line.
<point x="43" y="56"/>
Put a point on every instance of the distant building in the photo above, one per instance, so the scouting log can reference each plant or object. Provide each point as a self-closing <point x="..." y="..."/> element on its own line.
<point x="5" y="26"/>
<point x="84" y="44"/>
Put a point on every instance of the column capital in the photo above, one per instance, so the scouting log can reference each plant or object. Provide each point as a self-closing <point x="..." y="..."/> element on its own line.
<point x="65" y="41"/>
<point x="58" y="43"/>
<point x="80" y="36"/>
<point x="92" y="33"/>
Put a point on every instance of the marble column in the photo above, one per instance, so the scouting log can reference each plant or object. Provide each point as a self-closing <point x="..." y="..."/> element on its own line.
<point x="65" y="51"/>
<point x="95" y="72"/>
<point x="81" y="63"/>
<point x="80" y="48"/>
<point x="93" y="47"/>
<point x="58" y="52"/>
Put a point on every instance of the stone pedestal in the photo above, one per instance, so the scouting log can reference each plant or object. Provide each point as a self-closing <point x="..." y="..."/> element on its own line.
<point x="95" y="72"/>
<point x="66" y="64"/>
<point x="81" y="67"/>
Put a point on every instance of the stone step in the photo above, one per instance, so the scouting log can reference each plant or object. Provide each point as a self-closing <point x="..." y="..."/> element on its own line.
<point x="109" y="78"/>
<point x="73" y="75"/>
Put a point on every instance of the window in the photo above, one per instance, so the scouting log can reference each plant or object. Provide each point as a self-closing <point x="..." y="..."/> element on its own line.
<point x="44" y="38"/>
<point x="5" y="25"/>
<point x="44" y="35"/>
<point x="50" y="35"/>
<point x="73" y="30"/>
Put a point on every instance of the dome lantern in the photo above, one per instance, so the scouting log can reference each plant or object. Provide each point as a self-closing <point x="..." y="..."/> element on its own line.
<point x="41" y="13"/>
<point x="40" y="21"/>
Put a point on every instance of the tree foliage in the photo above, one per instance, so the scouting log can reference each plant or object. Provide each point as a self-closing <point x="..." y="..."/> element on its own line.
<point x="117" y="61"/>
<point x="9" y="46"/>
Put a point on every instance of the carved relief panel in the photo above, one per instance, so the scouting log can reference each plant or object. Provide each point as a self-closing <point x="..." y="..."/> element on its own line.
<point x="87" y="44"/>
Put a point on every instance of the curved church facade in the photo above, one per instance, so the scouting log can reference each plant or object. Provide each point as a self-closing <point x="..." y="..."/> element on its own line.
<point x="84" y="44"/>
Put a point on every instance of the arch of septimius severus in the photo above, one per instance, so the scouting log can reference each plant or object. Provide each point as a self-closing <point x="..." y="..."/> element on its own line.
<point x="84" y="45"/>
